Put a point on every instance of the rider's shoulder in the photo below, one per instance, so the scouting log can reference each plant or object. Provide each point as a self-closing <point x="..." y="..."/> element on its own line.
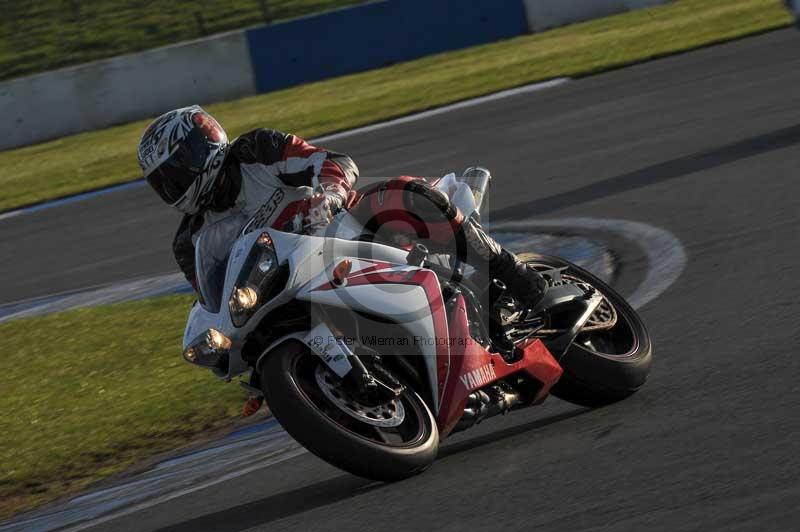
<point x="260" y="145"/>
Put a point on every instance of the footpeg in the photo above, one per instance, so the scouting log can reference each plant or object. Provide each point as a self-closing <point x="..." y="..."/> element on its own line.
<point x="500" y="340"/>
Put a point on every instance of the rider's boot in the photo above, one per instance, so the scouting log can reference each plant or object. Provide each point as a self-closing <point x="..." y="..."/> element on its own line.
<point x="523" y="282"/>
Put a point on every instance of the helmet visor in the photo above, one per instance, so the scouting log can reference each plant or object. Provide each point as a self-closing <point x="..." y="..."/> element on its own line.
<point x="171" y="180"/>
<point x="174" y="176"/>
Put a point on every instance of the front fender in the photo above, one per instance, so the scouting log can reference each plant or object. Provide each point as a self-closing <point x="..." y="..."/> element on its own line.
<point x="276" y="346"/>
<point x="401" y="294"/>
<point x="320" y="341"/>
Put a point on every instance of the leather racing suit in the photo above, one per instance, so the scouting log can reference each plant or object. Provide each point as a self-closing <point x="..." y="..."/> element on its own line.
<point x="271" y="177"/>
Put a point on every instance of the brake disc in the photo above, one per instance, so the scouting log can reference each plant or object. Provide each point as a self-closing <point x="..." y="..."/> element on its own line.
<point x="388" y="414"/>
<point x="604" y="316"/>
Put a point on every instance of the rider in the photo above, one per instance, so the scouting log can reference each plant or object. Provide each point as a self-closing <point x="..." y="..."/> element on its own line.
<point x="285" y="183"/>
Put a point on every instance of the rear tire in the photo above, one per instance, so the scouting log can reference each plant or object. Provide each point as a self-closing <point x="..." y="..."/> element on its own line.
<point x="289" y="396"/>
<point x="592" y="378"/>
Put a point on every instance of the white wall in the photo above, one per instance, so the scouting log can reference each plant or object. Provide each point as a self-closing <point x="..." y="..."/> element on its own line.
<point x="545" y="14"/>
<point x="124" y="88"/>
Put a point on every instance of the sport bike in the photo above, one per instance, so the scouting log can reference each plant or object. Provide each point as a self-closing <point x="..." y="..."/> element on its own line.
<point x="369" y="352"/>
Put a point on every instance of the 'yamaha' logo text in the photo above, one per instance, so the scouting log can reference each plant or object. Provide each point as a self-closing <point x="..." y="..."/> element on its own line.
<point x="478" y="377"/>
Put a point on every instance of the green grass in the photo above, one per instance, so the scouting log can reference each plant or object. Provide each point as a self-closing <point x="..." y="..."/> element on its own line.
<point x="100" y="158"/>
<point x="45" y="34"/>
<point x="86" y="393"/>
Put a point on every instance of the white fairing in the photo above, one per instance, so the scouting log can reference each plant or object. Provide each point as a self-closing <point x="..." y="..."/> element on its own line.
<point x="311" y="260"/>
<point x="403" y="304"/>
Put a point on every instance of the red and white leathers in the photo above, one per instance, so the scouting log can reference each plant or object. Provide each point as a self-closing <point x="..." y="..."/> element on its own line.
<point x="281" y="181"/>
<point x="276" y="179"/>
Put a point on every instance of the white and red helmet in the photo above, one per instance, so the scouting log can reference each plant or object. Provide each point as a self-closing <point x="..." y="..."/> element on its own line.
<point x="181" y="154"/>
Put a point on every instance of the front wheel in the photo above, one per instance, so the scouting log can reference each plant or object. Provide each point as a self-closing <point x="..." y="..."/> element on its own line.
<point x="385" y="442"/>
<point x="603" y="365"/>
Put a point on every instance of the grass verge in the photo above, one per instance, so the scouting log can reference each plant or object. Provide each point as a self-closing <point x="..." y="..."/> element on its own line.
<point x="87" y="393"/>
<point x="101" y="158"/>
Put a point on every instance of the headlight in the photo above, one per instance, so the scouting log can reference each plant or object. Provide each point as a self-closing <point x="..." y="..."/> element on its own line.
<point x="255" y="279"/>
<point x="244" y="298"/>
<point x="210" y="349"/>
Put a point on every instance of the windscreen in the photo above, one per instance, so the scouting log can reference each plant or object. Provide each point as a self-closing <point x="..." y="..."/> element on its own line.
<point x="213" y="247"/>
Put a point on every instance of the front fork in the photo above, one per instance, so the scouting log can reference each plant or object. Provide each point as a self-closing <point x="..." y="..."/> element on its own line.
<point x="341" y="360"/>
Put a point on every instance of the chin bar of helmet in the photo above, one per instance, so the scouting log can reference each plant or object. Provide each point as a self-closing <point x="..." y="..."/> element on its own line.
<point x="253" y="284"/>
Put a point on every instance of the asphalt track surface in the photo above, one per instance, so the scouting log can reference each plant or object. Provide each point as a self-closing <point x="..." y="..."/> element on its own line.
<point x="705" y="145"/>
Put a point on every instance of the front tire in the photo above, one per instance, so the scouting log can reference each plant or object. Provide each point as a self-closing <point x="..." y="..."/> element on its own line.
<point x="596" y="376"/>
<point x="290" y="381"/>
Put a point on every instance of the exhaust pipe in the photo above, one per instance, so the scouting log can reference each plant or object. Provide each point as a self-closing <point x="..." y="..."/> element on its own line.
<point x="477" y="179"/>
<point x="483" y="404"/>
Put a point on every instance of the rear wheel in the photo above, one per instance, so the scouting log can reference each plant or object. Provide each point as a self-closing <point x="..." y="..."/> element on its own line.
<point x="603" y="365"/>
<point x="389" y="441"/>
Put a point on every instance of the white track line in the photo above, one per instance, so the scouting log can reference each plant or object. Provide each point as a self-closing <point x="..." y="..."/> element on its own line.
<point x="536" y="87"/>
<point x="665" y="253"/>
<point x="186" y="491"/>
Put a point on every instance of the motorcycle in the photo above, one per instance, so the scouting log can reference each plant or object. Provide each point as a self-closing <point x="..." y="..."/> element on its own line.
<point x="369" y="353"/>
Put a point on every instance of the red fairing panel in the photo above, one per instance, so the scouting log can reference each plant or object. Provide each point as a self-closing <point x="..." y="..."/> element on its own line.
<point x="462" y="364"/>
<point x="423" y="278"/>
<point x="429" y="283"/>
<point x="471" y="367"/>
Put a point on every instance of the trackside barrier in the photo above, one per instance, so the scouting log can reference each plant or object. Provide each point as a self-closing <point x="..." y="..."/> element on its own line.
<point x="546" y="14"/>
<point x="376" y="35"/>
<point x="241" y="63"/>
<point x="122" y="89"/>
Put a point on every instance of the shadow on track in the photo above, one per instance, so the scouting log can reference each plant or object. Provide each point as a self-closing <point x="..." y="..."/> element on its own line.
<point x="486" y="439"/>
<point x="275" y="507"/>
<point x="680" y="167"/>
